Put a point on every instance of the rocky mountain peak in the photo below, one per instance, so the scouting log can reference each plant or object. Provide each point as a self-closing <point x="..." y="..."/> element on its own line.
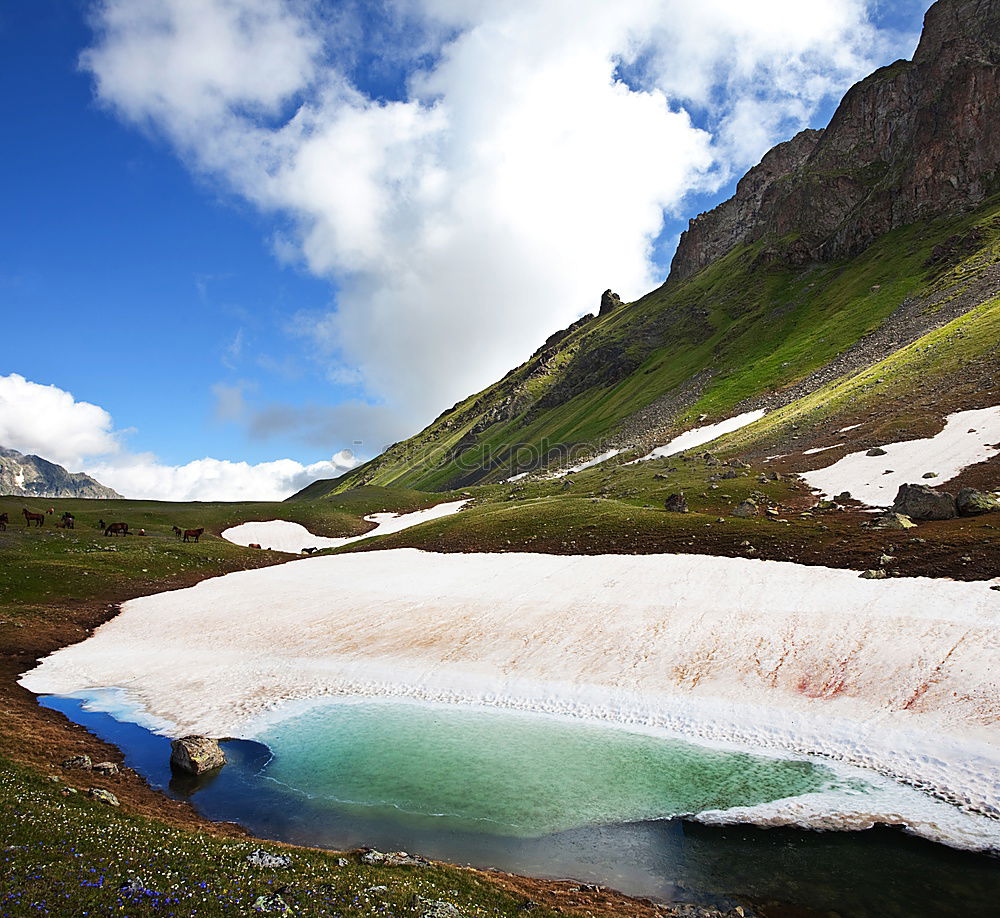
<point x="33" y="476"/>
<point x="915" y="139"/>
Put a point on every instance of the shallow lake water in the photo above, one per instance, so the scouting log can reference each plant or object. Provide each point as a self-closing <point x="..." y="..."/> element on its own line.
<point x="545" y="797"/>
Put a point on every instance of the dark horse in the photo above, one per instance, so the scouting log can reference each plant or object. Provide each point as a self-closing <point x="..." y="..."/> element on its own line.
<point x="66" y="521"/>
<point x="30" y="517"/>
<point x="4" y="520"/>
<point x="116" y="529"/>
<point x="193" y="533"/>
<point x="177" y="531"/>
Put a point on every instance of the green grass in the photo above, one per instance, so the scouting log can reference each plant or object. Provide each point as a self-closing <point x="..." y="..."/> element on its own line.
<point x="745" y="326"/>
<point x="72" y="855"/>
<point x="46" y="565"/>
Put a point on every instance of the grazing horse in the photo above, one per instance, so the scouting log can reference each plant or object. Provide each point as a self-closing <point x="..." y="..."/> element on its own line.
<point x="67" y="521"/>
<point x="29" y="517"/>
<point x="193" y="533"/>
<point x="100" y="524"/>
<point x="4" y="520"/>
<point x="116" y="529"/>
<point x="177" y="531"/>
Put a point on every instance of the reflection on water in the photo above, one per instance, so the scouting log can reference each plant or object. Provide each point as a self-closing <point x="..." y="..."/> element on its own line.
<point x="557" y="800"/>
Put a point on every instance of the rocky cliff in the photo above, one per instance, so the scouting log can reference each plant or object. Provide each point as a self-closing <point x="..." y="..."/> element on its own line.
<point x="914" y="140"/>
<point x="32" y="476"/>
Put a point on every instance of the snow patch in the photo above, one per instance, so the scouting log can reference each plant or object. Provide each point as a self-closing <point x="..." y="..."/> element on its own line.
<point x="968" y="437"/>
<point x="698" y="436"/>
<point x="282" y="535"/>
<point x="579" y="467"/>
<point x="820" y="449"/>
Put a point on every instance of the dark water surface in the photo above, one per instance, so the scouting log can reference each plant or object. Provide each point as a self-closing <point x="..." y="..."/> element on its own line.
<point x="567" y="801"/>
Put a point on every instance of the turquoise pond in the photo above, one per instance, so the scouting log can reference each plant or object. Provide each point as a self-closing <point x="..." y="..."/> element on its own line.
<point x="548" y="797"/>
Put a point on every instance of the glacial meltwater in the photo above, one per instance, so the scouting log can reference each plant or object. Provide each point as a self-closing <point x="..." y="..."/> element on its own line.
<point x="547" y="797"/>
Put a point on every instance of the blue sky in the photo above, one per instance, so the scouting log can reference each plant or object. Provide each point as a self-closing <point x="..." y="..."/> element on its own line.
<point x="240" y="305"/>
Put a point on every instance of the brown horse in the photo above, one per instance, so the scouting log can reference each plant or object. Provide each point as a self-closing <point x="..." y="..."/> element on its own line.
<point x="4" y="520"/>
<point x="116" y="529"/>
<point x="193" y="533"/>
<point x="29" y="517"/>
<point x="177" y="531"/>
<point x="66" y="521"/>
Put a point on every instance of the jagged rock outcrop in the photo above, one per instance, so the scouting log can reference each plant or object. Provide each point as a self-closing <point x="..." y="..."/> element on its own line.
<point x="609" y="301"/>
<point x="915" y="139"/>
<point x="32" y="476"/>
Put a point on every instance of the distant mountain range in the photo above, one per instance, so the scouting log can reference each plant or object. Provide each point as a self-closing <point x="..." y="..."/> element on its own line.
<point x="847" y="249"/>
<point x="33" y="476"/>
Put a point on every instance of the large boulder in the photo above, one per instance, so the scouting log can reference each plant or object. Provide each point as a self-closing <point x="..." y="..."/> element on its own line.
<point x="971" y="502"/>
<point x="196" y="755"/>
<point x="922" y="503"/>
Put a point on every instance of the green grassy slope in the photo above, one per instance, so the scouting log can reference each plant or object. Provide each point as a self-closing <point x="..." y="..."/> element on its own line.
<point x="744" y="327"/>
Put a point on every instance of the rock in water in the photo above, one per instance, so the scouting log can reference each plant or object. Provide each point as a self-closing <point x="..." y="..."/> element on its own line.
<point x="196" y="754"/>
<point x="676" y="503"/>
<point x="971" y="502"/>
<point x="922" y="503"/>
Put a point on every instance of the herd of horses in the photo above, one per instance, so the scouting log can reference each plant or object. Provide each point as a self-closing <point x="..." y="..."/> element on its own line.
<point x="66" y="521"/>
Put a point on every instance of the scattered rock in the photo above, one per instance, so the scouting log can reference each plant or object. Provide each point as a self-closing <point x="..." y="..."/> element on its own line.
<point x="676" y="503"/>
<point x="342" y="862"/>
<point x="271" y="903"/>
<point x="842" y="496"/>
<point x="922" y="503"/>
<point x="106" y="768"/>
<point x="890" y="520"/>
<point x="876" y="451"/>
<point x="729" y="473"/>
<point x="745" y="509"/>
<point x="886" y="560"/>
<point x="874" y="574"/>
<point x="929" y="475"/>
<point x="196" y="754"/>
<point x="105" y="796"/>
<point x="435" y="908"/>
<point x="971" y="502"/>
<point x="82" y="762"/>
<point x="393" y="859"/>
<point x="268" y="860"/>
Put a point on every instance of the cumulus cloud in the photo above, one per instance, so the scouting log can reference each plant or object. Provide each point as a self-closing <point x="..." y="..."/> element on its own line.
<point x="142" y="475"/>
<point x="47" y="421"/>
<point x="50" y="422"/>
<point x="526" y="162"/>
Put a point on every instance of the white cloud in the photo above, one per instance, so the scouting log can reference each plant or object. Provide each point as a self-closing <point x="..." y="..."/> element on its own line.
<point x="49" y="422"/>
<point x="518" y="177"/>
<point x="214" y="479"/>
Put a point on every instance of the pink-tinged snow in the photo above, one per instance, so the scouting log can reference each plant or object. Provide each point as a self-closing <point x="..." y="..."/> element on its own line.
<point x="699" y="436"/>
<point x="282" y="535"/>
<point x="898" y="676"/>
<point x="968" y="437"/>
